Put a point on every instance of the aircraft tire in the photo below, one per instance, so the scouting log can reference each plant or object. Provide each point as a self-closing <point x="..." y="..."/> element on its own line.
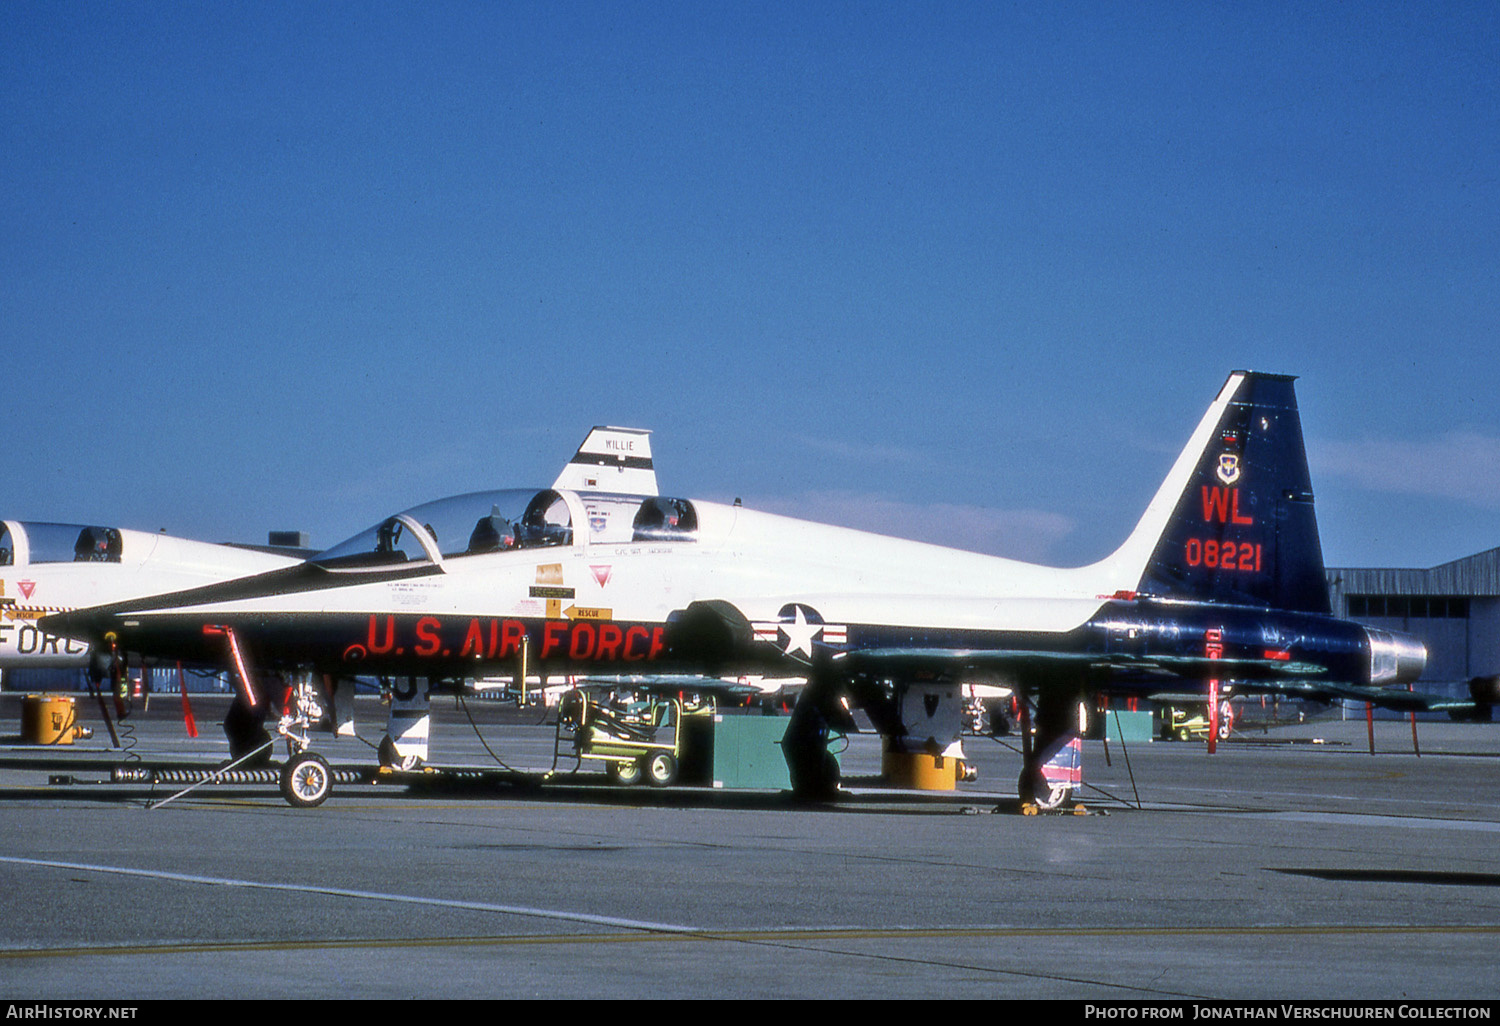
<point x="627" y="774"/>
<point x="661" y="769"/>
<point x="821" y="785"/>
<point x="1035" y="790"/>
<point x="306" y="780"/>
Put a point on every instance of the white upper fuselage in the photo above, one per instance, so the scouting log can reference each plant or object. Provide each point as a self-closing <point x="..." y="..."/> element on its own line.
<point x="757" y="561"/>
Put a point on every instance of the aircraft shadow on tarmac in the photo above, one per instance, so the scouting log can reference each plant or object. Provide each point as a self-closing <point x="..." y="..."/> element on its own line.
<point x="1398" y="876"/>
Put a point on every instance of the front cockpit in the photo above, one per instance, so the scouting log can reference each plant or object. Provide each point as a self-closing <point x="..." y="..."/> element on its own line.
<point x="485" y="523"/>
<point x="25" y="543"/>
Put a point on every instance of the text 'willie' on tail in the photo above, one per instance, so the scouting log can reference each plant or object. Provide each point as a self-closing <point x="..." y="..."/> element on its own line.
<point x="612" y="459"/>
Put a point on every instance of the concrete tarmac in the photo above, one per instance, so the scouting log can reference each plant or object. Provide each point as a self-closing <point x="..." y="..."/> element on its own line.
<point x="1290" y="865"/>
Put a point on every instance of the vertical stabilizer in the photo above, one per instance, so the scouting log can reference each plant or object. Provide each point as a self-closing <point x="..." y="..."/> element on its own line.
<point x="1243" y="530"/>
<point x="611" y="459"/>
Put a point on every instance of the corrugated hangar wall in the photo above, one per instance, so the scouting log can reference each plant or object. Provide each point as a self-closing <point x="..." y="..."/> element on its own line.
<point x="1454" y="608"/>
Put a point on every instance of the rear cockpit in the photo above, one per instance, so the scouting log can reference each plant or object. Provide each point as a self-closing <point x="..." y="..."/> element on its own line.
<point x="664" y="519"/>
<point x="25" y="543"/>
<point x="484" y="523"/>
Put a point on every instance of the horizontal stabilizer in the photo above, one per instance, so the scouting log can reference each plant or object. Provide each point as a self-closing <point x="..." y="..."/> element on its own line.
<point x="897" y="660"/>
<point x="1397" y="698"/>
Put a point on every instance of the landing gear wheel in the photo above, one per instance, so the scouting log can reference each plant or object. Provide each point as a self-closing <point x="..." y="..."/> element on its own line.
<point x="817" y="783"/>
<point x="1035" y="790"/>
<point x="661" y="769"/>
<point x="306" y="780"/>
<point x="625" y="773"/>
<point x="393" y="759"/>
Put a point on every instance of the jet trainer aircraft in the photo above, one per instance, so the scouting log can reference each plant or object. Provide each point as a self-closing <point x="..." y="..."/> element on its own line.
<point x="1220" y="585"/>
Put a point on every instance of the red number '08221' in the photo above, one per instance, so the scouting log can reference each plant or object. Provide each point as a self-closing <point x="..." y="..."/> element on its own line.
<point x="1226" y="555"/>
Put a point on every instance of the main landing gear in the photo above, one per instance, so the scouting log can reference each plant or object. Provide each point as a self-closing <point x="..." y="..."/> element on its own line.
<point x="811" y="767"/>
<point x="1052" y="758"/>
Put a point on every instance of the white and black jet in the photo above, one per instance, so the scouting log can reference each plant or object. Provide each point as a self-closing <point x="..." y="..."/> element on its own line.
<point x="1220" y="585"/>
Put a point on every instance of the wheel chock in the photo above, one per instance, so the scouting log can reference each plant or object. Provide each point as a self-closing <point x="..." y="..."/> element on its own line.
<point x="1033" y="809"/>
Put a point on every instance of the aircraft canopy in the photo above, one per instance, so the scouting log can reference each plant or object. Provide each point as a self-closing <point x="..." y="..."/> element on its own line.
<point x="502" y="521"/>
<point x="32" y="542"/>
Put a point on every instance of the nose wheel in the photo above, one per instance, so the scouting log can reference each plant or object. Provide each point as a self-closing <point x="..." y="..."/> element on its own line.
<point x="306" y="780"/>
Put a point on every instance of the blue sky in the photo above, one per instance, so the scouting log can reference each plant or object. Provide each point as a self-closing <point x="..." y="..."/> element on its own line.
<point x="964" y="272"/>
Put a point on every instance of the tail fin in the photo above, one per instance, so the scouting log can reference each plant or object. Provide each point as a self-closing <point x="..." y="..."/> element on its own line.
<point x="1241" y="527"/>
<point x="611" y="459"/>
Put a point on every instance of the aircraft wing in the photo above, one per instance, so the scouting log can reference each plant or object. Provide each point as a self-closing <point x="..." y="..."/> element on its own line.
<point x="1397" y="698"/>
<point x="1259" y="676"/>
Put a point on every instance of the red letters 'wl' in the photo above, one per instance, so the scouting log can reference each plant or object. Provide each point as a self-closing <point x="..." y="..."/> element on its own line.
<point x="1222" y="505"/>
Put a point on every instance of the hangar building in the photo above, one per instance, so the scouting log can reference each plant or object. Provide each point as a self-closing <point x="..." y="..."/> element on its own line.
<point x="1454" y="608"/>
